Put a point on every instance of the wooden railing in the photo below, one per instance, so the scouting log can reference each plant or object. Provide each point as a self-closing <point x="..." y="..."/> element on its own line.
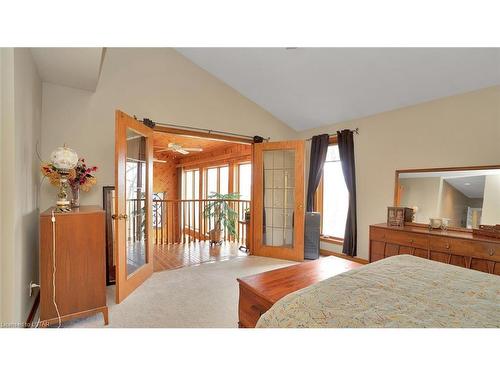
<point x="184" y="221"/>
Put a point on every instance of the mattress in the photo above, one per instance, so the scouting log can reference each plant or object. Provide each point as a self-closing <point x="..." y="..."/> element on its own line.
<point x="399" y="291"/>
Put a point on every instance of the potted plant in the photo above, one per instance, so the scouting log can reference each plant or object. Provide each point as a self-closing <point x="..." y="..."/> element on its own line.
<point x="223" y="216"/>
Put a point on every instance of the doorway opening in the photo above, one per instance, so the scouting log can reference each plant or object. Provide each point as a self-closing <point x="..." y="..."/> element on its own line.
<point x="201" y="194"/>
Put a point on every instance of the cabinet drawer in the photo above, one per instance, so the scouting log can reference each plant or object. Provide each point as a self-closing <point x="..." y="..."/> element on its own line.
<point x="475" y="249"/>
<point x="399" y="238"/>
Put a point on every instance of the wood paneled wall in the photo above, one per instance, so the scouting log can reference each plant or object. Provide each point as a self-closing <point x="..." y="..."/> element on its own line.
<point x="165" y="177"/>
<point x="223" y="155"/>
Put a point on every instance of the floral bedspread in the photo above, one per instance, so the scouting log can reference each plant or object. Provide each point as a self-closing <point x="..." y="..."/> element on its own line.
<point x="399" y="291"/>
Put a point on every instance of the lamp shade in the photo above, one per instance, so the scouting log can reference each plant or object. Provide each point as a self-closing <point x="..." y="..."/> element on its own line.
<point x="64" y="158"/>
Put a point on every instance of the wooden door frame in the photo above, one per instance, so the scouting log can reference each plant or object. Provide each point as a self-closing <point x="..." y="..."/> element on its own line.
<point x="257" y="198"/>
<point x="223" y="138"/>
<point x="126" y="284"/>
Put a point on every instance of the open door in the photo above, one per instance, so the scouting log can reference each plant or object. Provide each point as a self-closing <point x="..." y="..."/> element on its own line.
<point x="278" y="200"/>
<point x="132" y="218"/>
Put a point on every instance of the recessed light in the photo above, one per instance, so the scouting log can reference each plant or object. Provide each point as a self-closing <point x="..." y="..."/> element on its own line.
<point x="467" y="184"/>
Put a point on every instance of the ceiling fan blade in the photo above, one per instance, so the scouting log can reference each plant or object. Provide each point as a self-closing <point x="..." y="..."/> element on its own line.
<point x="197" y="149"/>
<point x="159" y="161"/>
<point x="182" y="151"/>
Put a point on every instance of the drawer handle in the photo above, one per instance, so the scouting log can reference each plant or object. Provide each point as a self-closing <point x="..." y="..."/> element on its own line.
<point x="491" y="252"/>
<point x="447" y="245"/>
<point x="411" y="241"/>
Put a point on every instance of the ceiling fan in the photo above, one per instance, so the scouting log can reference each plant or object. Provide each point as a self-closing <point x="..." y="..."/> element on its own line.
<point x="181" y="150"/>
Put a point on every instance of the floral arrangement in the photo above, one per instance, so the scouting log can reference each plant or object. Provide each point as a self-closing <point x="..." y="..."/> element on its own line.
<point x="81" y="176"/>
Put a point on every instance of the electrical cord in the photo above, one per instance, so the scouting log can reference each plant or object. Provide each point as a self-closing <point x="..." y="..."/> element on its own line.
<point x="53" y="219"/>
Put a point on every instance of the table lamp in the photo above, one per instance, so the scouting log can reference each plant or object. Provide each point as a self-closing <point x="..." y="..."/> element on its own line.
<point x="63" y="159"/>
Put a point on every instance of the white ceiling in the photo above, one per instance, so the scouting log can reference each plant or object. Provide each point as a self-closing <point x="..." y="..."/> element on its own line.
<point x="471" y="187"/>
<point x="311" y="87"/>
<point x="73" y="67"/>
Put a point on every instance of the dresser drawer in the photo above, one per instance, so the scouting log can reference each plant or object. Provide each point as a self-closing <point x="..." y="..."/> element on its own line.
<point x="399" y="238"/>
<point x="475" y="249"/>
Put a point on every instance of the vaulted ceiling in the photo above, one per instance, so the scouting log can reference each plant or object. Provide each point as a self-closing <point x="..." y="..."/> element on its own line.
<point x="311" y="87"/>
<point x="78" y="68"/>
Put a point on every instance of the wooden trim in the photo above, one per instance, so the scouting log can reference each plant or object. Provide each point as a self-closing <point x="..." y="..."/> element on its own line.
<point x="33" y="310"/>
<point x="353" y="259"/>
<point x="215" y="161"/>
<point x="200" y="134"/>
<point x="333" y="240"/>
<point x="397" y="187"/>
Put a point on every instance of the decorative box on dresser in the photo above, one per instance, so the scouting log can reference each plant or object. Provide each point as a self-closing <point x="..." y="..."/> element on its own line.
<point x="456" y="247"/>
<point x="80" y="273"/>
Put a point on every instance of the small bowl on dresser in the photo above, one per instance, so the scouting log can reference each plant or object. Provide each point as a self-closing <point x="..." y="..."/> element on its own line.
<point x="435" y="223"/>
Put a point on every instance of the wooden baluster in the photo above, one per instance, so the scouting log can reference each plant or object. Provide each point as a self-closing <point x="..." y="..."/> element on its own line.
<point x="156" y="221"/>
<point x="183" y="226"/>
<point x="168" y="221"/>
<point x="193" y="208"/>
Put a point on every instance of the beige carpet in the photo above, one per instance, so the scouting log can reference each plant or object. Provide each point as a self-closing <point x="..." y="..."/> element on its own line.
<point x="193" y="297"/>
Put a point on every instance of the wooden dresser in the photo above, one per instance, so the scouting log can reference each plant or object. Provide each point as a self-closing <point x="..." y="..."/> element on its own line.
<point x="80" y="276"/>
<point x="459" y="248"/>
<point x="259" y="292"/>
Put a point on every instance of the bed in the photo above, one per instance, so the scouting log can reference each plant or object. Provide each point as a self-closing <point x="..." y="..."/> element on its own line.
<point x="400" y="291"/>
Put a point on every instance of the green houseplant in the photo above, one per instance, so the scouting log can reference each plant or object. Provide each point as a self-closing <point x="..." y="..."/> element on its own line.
<point x="219" y="210"/>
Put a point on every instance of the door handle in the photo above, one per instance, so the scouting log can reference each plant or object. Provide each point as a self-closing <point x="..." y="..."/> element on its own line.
<point x="119" y="217"/>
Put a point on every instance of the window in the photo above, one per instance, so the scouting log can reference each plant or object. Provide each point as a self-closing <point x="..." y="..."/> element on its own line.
<point x="191" y="191"/>
<point x="244" y="180"/>
<point x="332" y="197"/>
<point x="191" y="184"/>
<point x="217" y="180"/>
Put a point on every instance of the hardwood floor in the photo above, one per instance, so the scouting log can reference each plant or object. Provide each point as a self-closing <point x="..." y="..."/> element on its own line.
<point x="168" y="257"/>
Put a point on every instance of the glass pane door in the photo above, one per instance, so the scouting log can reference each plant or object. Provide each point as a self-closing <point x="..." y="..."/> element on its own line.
<point x="279" y="200"/>
<point x="132" y="214"/>
<point x="135" y="190"/>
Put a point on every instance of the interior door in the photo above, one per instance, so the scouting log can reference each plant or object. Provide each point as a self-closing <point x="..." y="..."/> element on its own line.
<point x="133" y="184"/>
<point x="278" y="200"/>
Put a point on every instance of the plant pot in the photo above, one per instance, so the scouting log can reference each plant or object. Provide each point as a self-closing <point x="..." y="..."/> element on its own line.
<point x="215" y="236"/>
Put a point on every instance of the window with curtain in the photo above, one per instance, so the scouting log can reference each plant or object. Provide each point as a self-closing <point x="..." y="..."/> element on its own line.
<point x="332" y="197"/>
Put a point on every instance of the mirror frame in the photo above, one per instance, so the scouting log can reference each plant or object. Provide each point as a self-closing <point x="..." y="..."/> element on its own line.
<point x="397" y="197"/>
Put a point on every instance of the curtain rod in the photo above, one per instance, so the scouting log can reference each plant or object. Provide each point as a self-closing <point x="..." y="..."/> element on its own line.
<point x="331" y="135"/>
<point x="208" y="131"/>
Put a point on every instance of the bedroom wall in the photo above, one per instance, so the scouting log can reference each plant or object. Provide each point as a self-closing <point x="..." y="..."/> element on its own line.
<point x="491" y="201"/>
<point x="461" y="130"/>
<point x="21" y="120"/>
<point x="159" y="84"/>
<point x="421" y="192"/>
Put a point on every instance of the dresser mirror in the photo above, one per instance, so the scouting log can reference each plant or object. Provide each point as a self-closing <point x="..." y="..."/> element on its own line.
<point x="461" y="197"/>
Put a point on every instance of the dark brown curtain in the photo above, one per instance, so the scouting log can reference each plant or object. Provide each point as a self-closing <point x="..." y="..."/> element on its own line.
<point x="319" y="148"/>
<point x="345" y="140"/>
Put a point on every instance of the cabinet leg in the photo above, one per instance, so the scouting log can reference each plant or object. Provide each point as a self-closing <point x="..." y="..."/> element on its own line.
<point x="105" y="316"/>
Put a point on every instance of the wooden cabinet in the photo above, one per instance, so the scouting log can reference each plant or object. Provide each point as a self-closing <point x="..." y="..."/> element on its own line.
<point x="80" y="273"/>
<point x="454" y="247"/>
